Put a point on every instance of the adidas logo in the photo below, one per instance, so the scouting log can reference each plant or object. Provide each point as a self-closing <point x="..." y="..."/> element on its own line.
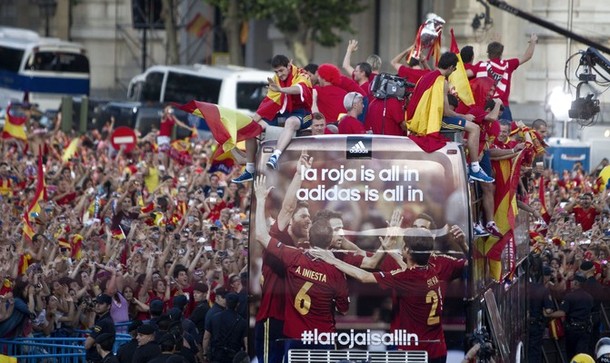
<point x="359" y="148"/>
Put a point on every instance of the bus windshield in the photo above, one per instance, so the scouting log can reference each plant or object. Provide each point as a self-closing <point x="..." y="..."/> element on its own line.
<point x="59" y="62"/>
<point x="40" y="70"/>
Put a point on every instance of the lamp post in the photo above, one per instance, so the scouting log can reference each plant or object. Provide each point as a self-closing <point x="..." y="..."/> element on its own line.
<point x="47" y="10"/>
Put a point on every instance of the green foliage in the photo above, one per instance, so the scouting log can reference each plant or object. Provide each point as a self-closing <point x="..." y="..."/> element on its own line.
<point x="317" y="20"/>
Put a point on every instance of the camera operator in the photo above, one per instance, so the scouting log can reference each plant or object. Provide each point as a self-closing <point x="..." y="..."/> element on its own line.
<point x="482" y="350"/>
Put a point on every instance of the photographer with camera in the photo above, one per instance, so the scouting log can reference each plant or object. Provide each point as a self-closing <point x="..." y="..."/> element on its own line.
<point x="482" y="349"/>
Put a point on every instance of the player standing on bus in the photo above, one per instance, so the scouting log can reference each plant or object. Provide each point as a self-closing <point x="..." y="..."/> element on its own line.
<point x="314" y="288"/>
<point x="289" y="98"/>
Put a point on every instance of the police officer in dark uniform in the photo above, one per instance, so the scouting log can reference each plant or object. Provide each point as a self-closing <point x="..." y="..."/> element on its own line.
<point x="103" y="344"/>
<point x="103" y="325"/>
<point x="147" y="346"/>
<point x="596" y="290"/>
<point x="202" y="306"/>
<point x="576" y="307"/>
<point x="540" y="302"/>
<point x="229" y="332"/>
<point x="125" y="352"/>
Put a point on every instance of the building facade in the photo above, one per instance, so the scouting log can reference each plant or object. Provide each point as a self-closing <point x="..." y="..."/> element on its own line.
<point x="118" y="51"/>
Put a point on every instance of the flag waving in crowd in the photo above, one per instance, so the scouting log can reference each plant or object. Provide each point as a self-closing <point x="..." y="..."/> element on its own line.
<point x="14" y="125"/>
<point x="34" y="207"/>
<point x="227" y="126"/>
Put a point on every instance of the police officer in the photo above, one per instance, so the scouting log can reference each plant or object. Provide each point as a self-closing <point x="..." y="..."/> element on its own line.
<point x="103" y="344"/>
<point x="125" y="352"/>
<point x="576" y="307"/>
<point x="103" y="325"/>
<point x="229" y="332"/>
<point x="147" y="346"/>
<point x="596" y="290"/>
<point x="540" y="302"/>
<point x="602" y="350"/>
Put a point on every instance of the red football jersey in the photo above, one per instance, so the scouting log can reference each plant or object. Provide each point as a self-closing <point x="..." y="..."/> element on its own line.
<point x="314" y="290"/>
<point x="420" y="306"/>
<point x="272" y="290"/>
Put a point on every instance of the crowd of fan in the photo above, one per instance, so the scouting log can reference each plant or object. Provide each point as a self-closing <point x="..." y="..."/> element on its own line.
<point x="139" y="233"/>
<point x="570" y="238"/>
<point x="153" y="235"/>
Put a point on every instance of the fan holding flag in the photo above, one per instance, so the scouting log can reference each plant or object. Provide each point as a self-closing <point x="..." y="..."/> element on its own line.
<point x="288" y="103"/>
<point x="429" y="110"/>
<point x="289" y="98"/>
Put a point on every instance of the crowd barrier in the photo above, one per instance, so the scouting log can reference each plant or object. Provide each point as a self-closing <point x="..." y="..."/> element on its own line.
<point x="52" y="349"/>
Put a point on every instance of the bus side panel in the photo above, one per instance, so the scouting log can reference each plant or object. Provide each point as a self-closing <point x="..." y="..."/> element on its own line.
<point x="366" y="178"/>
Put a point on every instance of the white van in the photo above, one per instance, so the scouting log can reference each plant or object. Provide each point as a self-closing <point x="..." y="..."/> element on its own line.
<point x="233" y="87"/>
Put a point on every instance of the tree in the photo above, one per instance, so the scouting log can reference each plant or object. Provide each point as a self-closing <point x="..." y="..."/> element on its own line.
<point x="167" y="13"/>
<point x="301" y="22"/>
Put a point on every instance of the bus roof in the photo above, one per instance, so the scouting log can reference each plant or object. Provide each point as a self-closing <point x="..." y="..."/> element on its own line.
<point x="218" y="72"/>
<point x="25" y="39"/>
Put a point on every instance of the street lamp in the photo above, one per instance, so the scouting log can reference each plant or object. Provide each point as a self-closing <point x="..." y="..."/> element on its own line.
<point x="47" y="10"/>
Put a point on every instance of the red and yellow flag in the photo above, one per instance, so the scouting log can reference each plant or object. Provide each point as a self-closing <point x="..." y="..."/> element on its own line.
<point x="70" y="151"/>
<point x="118" y="233"/>
<point x="459" y="78"/>
<point x="14" y="124"/>
<point x="227" y="126"/>
<point x="198" y="26"/>
<point x="24" y="263"/>
<point x="507" y="174"/>
<point x="76" y="244"/>
<point x="34" y="207"/>
<point x="277" y="102"/>
<point x="544" y="213"/>
<point x="425" y="112"/>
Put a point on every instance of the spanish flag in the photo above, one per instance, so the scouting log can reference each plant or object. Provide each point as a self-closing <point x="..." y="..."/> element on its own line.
<point x="425" y="112"/>
<point x="227" y="126"/>
<point x="198" y="26"/>
<point x="76" y="244"/>
<point x="118" y="233"/>
<point x="459" y="78"/>
<point x="24" y="263"/>
<point x="277" y="102"/>
<point x="507" y="174"/>
<point x="544" y="213"/>
<point x="34" y="207"/>
<point x="180" y="151"/>
<point x="70" y="151"/>
<point x="63" y="243"/>
<point x="14" y="124"/>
